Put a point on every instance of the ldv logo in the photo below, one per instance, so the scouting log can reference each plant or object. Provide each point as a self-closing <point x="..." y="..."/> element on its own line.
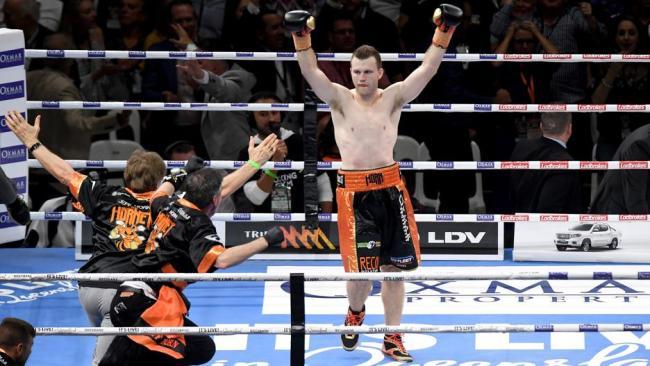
<point x="457" y="237"/>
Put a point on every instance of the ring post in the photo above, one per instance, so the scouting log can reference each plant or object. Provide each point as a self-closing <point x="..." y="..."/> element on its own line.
<point x="297" y="291"/>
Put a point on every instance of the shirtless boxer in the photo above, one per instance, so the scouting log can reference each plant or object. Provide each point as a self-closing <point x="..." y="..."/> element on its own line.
<point x="377" y="230"/>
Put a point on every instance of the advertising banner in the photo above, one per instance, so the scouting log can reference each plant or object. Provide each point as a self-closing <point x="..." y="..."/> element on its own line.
<point x="594" y="239"/>
<point x="438" y="240"/>
<point x="13" y="155"/>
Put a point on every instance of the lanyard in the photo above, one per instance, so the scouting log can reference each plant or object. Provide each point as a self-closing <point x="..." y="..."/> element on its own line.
<point x="530" y="86"/>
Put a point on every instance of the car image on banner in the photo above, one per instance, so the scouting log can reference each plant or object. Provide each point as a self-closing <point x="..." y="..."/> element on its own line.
<point x="592" y="239"/>
<point x="584" y="236"/>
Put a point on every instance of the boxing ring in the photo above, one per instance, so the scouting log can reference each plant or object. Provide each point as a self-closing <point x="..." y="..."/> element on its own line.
<point x="476" y="313"/>
<point x="583" y="306"/>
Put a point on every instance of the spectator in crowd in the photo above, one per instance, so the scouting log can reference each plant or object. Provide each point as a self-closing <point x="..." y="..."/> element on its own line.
<point x="524" y="38"/>
<point x="131" y="27"/>
<point x="621" y="83"/>
<point x="547" y="191"/>
<point x="237" y="31"/>
<point x="100" y="80"/>
<point x="608" y="11"/>
<point x="642" y="11"/>
<point x="391" y="9"/>
<point x="16" y="341"/>
<point x="518" y="12"/>
<point x="342" y="39"/>
<point x="68" y="132"/>
<point x="24" y="15"/>
<point x="51" y="14"/>
<point x="572" y="29"/>
<point x="16" y="207"/>
<point x="367" y="22"/>
<point x="524" y="82"/>
<point x="282" y="78"/>
<point x="279" y="77"/>
<point x="278" y="190"/>
<point x="210" y="18"/>
<point x="224" y="133"/>
<point x="477" y="19"/>
<point x="626" y="191"/>
<point x="164" y="82"/>
<point x="180" y="150"/>
<point x="160" y="23"/>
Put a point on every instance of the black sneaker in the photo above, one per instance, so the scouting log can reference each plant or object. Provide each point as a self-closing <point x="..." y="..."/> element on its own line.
<point x="394" y="348"/>
<point x="350" y="341"/>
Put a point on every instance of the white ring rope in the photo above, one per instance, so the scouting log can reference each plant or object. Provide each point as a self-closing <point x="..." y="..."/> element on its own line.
<point x="299" y="107"/>
<point x="405" y="165"/>
<point x="467" y="274"/>
<point x="364" y="329"/>
<point x="327" y="217"/>
<point x="290" y="56"/>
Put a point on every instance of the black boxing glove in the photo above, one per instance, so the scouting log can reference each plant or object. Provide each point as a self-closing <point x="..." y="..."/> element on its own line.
<point x="274" y="236"/>
<point x="446" y="18"/>
<point x="177" y="176"/>
<point x="300" y="23"/>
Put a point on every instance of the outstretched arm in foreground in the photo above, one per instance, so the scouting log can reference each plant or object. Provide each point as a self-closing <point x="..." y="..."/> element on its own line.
<point x="258" y="156"/>
<point x="236" y="254"/>
<point x="28" y="135"/>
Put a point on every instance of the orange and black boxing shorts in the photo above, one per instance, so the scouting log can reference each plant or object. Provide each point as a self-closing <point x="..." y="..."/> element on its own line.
<point x="375" y="220"/>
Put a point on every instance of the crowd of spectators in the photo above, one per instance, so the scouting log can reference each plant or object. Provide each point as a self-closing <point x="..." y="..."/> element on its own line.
<point x="489" y="26"/>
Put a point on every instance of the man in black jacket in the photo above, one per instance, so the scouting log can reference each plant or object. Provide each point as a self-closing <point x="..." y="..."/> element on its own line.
<point x="626" y="191"/>
<point x="547" y="191"/>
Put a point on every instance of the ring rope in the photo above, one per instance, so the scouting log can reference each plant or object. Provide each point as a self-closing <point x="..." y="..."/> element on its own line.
<point x="327" y="217"/>
<point x="363" y="329"/>
<point x="289" y="56"/>
<point x="477" y="328"/>
<point x="299" y="107"/>
<point x="465" y="275"/>
<point x="405" y="164"/>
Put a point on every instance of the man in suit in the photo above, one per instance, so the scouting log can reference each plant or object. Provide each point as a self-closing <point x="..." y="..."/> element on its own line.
<point x="546" y="191"/>
<point x="225" y="134"/>
<point x="626" y="191"/>
<point x="163" y="81"/>
<point x="67" y="132"/>
<point x="24" y="15"/>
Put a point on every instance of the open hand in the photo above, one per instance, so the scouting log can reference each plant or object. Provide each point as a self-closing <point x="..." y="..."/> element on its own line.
<point x="25" y="132"/>
<point x="183" y="38"/>
<point x="191" y="68"/>
<point x="264" y="151"/>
